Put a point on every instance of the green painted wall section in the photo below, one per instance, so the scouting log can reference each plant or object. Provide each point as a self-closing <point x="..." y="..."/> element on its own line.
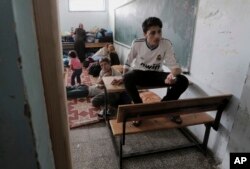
<point x="17" y="149"/>
<point x="24" y="134"/>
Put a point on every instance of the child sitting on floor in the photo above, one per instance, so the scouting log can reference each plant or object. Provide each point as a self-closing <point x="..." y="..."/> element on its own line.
<point x="114" y="59"/>
<point x="76" y="67"/>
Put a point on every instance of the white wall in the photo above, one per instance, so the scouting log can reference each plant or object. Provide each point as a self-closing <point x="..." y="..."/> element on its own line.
<point x="89" y="19"/>
<point x="221" y="44"/>
<point x="220" y="61"/>
<point x="221" y="57"/>
<point x="239" y="136"/>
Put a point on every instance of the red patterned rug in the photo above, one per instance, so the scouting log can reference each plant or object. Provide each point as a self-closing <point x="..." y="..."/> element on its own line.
<point x="80" y="110"/>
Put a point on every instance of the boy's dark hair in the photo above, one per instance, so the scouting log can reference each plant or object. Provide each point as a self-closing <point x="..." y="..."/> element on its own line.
<point x="105" y="59"/>
<point x="72" y="54"/>
<point x="149" y="22"/>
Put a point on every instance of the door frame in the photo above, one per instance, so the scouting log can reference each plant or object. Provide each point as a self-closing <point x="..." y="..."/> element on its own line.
<point x="49" y="48"/>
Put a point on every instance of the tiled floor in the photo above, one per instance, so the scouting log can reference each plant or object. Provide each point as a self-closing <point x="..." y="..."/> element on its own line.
<point x="92" y="149"/>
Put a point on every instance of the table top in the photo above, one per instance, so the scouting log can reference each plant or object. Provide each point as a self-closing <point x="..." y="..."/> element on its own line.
<point x="112" y="88"/>
<point x="95" y="45"/>
<point x="87" y="44"/>
<point x="120" y="88"/>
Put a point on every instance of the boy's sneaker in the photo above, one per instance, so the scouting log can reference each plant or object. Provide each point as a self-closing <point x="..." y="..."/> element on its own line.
<point x="110" y="112"/>
<point x="100" y="113"/>
<point x="136" y="123"/>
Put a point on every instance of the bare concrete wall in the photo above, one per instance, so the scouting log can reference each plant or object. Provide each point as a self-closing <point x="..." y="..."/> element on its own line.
<point x="221" y="58"/>
<point x="239" y="138"/>
<point x="241" y="127"/>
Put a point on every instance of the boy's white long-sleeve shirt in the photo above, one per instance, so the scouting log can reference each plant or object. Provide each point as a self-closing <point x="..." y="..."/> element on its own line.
<point x="151" y="59"/>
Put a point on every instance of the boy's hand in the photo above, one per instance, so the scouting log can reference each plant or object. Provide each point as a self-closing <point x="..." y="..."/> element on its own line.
<point x="170" y="79"/>
<point x="117" y="82"/>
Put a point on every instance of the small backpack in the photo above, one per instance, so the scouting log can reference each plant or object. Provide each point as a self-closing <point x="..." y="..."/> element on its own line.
<point x="114" y="59"/>
<point x="77" y="92"/>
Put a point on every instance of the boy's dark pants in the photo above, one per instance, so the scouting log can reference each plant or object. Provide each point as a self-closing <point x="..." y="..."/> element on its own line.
<point x="135" y="78"/>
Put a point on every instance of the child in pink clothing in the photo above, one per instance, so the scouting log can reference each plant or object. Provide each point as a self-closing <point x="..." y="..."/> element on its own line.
<point x="76" y="66"/>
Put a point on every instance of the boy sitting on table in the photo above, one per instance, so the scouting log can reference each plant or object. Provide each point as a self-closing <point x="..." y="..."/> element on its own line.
<point x="144" y="63"/>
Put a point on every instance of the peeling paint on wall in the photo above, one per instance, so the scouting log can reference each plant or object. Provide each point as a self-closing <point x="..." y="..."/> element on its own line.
<point x="27" y="114"/>
<point x="211" y="14"/>
<point x="19" y="62"/>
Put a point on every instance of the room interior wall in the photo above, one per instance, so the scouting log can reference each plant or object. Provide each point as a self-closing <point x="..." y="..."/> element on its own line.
<point x="219" y="61"/>
<point x="239" y="136"/>
<point x="90" y="20"/>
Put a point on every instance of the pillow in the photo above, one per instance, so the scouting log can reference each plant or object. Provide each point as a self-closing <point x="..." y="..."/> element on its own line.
<point x="149" y="97"/>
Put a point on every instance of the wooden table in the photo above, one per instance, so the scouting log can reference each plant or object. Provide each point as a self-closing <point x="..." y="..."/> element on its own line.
<point x="112" y="88"/>
<point x="109" y="88"/>
<point x="70" y="45"/>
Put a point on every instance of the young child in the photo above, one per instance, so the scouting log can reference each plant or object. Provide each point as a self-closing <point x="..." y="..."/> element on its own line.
<point x="76" y="67"/>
